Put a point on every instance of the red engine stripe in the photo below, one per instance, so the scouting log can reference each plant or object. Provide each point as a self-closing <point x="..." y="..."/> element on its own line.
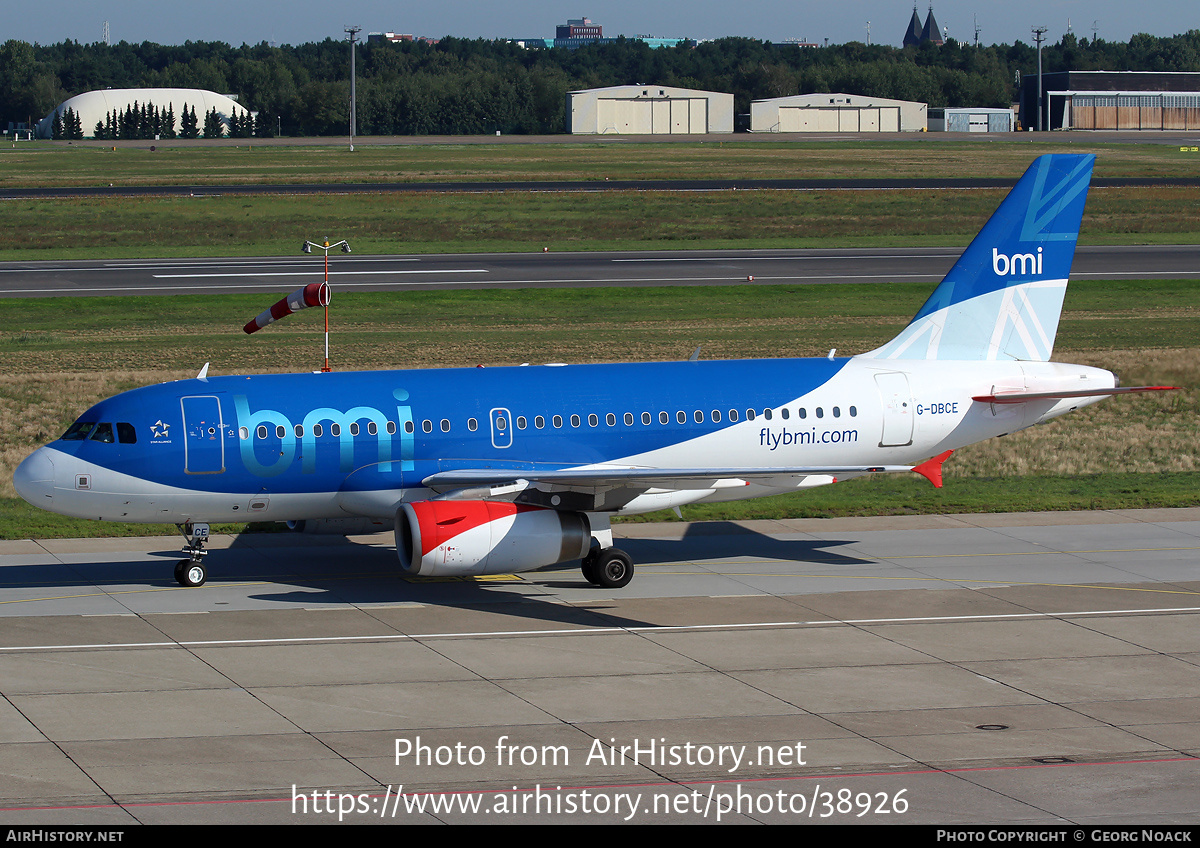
<point x="440" y="521"/>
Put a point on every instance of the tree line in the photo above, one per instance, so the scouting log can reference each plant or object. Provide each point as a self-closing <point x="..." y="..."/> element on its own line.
<point x="148" y="121"/>
<point x="461" y="86"/>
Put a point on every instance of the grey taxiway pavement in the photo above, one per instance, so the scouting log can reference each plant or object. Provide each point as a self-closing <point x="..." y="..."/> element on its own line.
<point x="538" y="269"/>
<point x="1016" y="669"/>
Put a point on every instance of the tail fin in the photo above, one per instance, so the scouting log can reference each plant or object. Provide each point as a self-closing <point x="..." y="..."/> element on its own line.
<point x="1003" y="297"/>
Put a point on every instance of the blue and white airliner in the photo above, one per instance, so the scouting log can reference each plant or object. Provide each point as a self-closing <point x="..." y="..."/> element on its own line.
<point x="500" y="470"/>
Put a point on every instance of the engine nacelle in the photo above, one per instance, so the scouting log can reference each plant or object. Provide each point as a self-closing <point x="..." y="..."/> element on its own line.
<point x="456" y="538"/>
<point x="339" y="526"/>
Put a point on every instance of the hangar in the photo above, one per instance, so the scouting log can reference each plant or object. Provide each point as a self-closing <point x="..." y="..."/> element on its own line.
<point x="837" y="113"/>
<point x="649" y="110"/>
<point x="1113" y="100"/>
<point x="93" y="106"/>
<point x="966" y="119"/>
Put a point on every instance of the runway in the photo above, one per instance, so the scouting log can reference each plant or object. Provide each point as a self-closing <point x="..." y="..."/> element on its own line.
<point x="553" y="270"/>
<point x="1039" y="668"/>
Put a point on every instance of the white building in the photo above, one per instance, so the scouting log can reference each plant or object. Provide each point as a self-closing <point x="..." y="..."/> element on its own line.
<point x="648" y="110"/>
<point x="93" y="106"/>
<point x="836" y="113"/>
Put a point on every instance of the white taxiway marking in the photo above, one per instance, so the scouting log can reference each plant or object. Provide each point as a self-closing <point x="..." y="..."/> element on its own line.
<point x="599" y="631"/>
<point x="332" y="274"/>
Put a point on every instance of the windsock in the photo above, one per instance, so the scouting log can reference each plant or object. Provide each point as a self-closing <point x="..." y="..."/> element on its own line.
<point x="314" y="294"/>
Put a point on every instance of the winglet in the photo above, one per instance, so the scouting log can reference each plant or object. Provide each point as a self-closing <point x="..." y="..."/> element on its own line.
<point x="931" y="469"/>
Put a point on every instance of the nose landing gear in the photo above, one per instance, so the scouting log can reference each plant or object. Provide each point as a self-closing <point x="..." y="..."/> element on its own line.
<point x="191" y="571"/>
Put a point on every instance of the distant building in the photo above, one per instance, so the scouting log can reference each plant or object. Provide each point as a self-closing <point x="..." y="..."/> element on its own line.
<point x="581" y="32"/>
<point x="965" y="119"/>
<point x="840" y="113"/>
<point x="1113" y="100"/>
<point x="649" y="110"/>
<point x="395" y="38"/>
<point x="94" y="107"/>
<point x="579" y="28"/>
<point x="917" y="34"/>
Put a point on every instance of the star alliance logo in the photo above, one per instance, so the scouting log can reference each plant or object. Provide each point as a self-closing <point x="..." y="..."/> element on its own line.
<point x="159" y="430"/>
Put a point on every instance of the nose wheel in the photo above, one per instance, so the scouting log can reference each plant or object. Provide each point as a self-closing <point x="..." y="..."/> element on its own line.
<point x="191" y="571"/>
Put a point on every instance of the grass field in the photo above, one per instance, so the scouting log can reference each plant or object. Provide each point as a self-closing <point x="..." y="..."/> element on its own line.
<point x="63" y="354"/>
<point x="229" y="163"/>
<point x="457" y="223"/>
<point x="247" y="225"/>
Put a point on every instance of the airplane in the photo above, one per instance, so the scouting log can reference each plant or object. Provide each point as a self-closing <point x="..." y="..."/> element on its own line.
<point x="483" y="471"/>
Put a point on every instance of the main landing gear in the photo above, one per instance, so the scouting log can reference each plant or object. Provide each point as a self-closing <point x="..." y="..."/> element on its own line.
<point x="191" y="571"/>
<point x="609" y="568"/>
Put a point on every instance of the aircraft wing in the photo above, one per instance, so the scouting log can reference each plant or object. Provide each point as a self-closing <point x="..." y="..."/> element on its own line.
<point x="613" y="487"/>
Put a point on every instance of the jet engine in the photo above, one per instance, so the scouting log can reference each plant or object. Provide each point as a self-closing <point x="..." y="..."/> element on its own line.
<point x="456" y="538"/>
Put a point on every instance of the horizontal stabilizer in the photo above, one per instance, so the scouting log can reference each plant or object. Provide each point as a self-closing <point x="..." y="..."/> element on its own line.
<point x="1026" y="397"/>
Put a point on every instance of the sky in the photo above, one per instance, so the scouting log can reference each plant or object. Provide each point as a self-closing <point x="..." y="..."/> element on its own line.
<point x="298" y="21"/>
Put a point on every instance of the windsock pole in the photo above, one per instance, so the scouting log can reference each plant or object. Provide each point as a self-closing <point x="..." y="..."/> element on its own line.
<point x="314" y="294"/>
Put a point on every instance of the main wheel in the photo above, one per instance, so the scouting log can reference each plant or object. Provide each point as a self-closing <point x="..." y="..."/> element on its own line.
<point x="613" y="569"/>
<point x="190" y="573"/>
<point x="588" y="567"/>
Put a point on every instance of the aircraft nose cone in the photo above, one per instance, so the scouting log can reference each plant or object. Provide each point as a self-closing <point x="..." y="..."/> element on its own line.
<point x="34" y="478"/>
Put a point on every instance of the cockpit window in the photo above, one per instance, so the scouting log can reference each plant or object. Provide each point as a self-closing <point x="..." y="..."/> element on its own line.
<point x="103" y="433"/>
<point x="78" y="431"/>
<point x="126" y="433"/>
